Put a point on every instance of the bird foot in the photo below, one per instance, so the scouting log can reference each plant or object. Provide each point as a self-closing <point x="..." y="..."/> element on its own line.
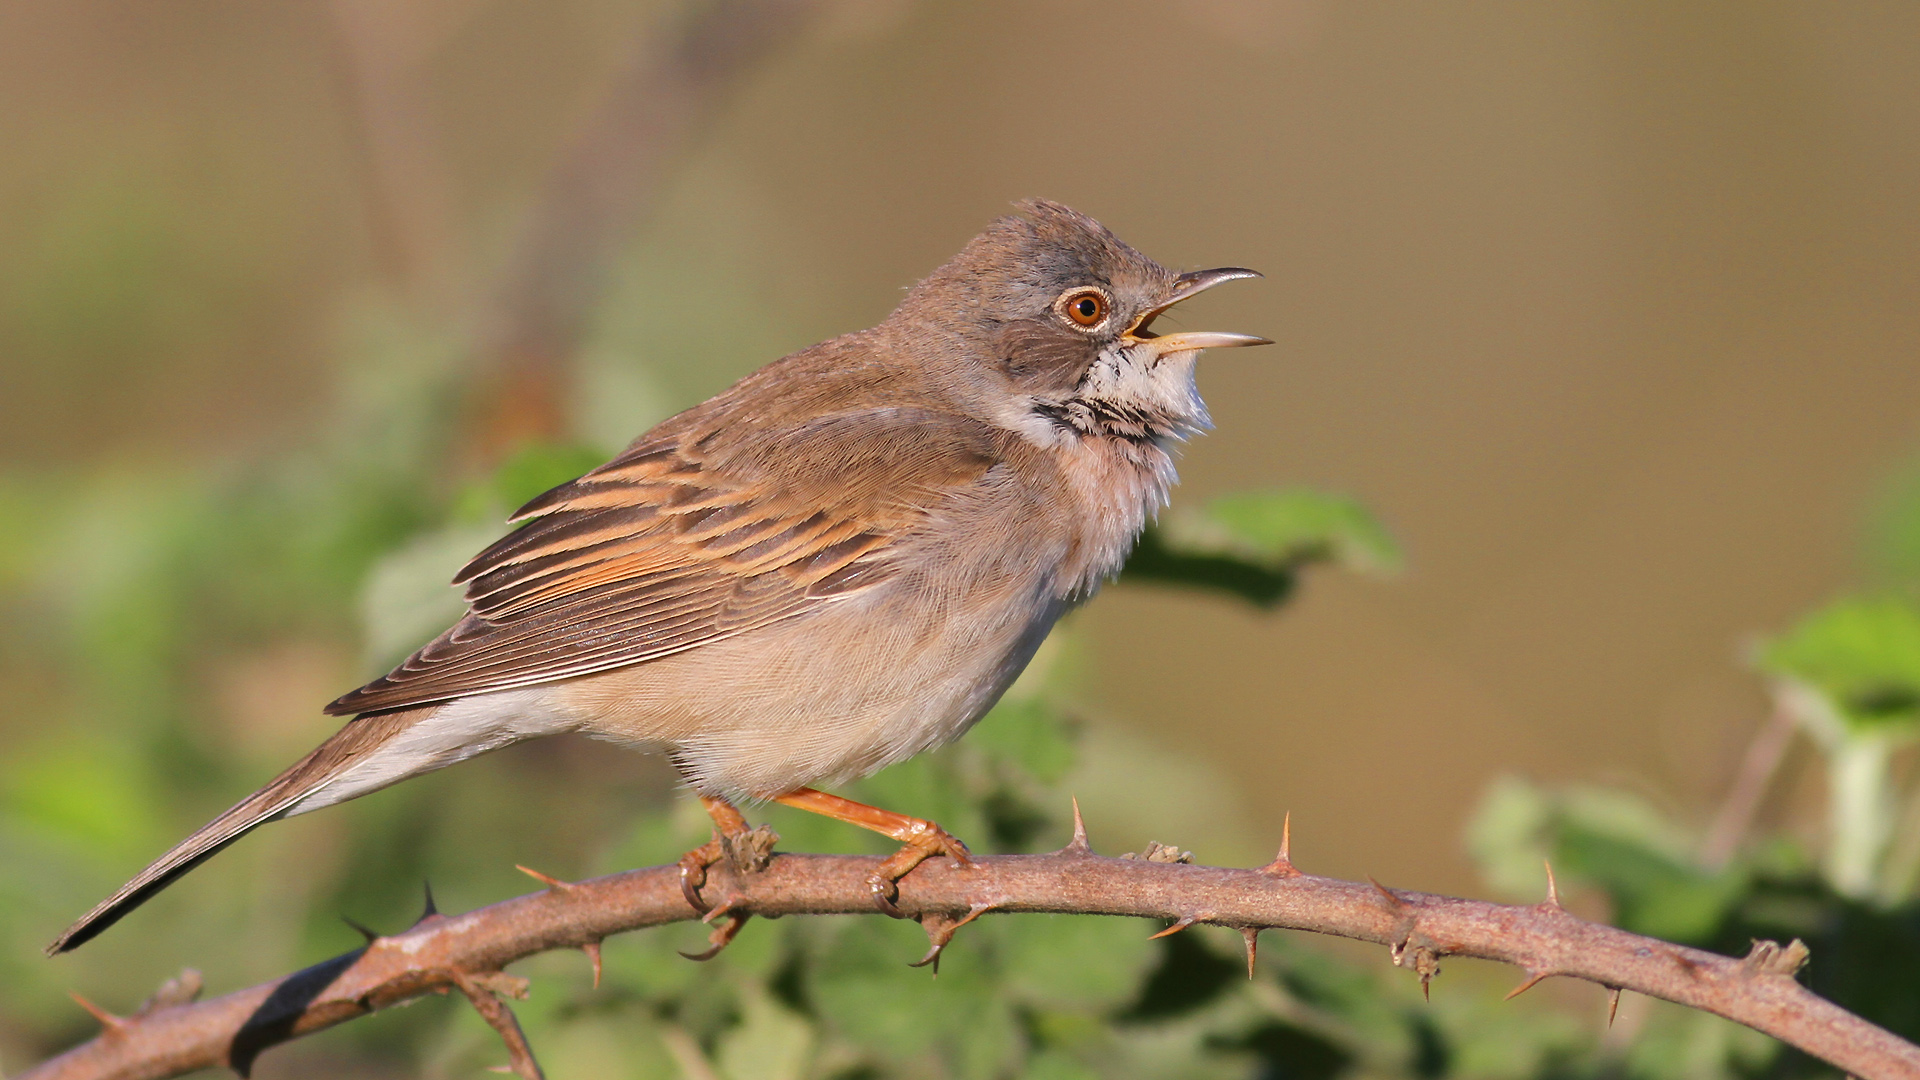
<point x="925" y="841"/>
<point x="746" y="850"/>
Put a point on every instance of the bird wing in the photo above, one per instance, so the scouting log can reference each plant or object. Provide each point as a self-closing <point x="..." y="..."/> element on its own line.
<point x="685" y="540"/>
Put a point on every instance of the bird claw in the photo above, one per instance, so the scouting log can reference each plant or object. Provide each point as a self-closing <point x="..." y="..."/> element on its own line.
<point x="747" y="851"/>
<point x="693" y="872"/>
<point x="722" y="935"/>
<point x="940" y="927"/>
<point x="928" y="842"/>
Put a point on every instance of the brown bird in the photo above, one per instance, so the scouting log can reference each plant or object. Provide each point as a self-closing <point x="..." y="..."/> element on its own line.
<point x="836" y="564"/>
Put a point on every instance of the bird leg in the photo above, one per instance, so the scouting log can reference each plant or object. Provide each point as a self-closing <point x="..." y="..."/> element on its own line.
<point x="728" y="826"/>
<point x="922" y="839"/>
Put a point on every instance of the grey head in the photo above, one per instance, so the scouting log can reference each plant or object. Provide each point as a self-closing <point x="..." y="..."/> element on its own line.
<point x="1045" y="321"/>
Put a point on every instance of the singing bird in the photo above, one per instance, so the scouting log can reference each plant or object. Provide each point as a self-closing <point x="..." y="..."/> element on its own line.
<point x="839" y="562"/>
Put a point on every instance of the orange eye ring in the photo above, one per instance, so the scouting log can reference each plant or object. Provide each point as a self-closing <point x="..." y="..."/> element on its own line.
<point x="1086" y="308"/>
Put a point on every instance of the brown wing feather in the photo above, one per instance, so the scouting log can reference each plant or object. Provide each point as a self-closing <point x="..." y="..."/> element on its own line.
<point x="682" y="541"/>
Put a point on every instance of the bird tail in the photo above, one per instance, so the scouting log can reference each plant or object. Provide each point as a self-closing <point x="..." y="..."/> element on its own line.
<point x="282" y="796"/>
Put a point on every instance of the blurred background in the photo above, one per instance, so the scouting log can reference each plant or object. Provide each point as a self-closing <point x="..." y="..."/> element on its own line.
<point x="1604" y="311"/>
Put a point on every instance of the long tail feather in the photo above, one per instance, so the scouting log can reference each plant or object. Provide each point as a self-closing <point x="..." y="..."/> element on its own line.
<point x="348" y="746"/>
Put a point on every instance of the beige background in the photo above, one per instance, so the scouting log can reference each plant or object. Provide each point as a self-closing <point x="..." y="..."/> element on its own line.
<point x="1607" y="309"/>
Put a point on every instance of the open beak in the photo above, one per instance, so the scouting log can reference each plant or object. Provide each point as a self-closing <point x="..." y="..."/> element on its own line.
<point x="1184" y="286"/>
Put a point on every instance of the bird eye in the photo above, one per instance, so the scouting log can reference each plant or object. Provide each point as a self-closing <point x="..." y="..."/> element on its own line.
<point x="1085" y="308"/>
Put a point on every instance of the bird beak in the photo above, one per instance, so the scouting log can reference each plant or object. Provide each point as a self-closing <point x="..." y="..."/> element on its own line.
<point x="1184" y="286"/>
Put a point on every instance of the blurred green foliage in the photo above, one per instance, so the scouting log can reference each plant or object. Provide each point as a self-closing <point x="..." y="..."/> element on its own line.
<point x="132" y="597"/>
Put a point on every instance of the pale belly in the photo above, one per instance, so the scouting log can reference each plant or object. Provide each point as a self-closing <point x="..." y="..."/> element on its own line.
<point x="825" y="697"/>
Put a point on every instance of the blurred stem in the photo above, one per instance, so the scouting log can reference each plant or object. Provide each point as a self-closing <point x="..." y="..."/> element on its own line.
<point x="1861" y="810"/>
<point x="1860" y="802"/>
<point x="686" y="1053"/>
<point x="1742" y="804"/>
<point x="600" y="190"/>
<point x="383" y="50"/>
<point x="1903" y="862"/>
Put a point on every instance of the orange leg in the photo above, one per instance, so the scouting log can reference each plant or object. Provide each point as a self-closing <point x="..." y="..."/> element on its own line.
<point x="922" y="839"/>
<point x="728" y="826"/>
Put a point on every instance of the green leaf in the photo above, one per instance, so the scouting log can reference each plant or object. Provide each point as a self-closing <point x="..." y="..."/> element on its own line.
<point x="407" y="599"/>
<point x="772" y="1042"/>
<point x="1075" y="961"/>
<point x="859" y="981"/>
<point x="1252" y="545"/>
<point x="530" y="471"/>
<point x="1031" y="734"/>
<point x="1611" y="840"/>
<point x="1287" y="528"/>
<point x="1893" y="533"/>
<point x="1863" y="654"/>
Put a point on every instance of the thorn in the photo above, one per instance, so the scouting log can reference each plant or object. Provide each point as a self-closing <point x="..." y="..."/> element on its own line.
<point x="592" y="949"/>
<point x="1252" y="936"/>
<point x="1393" y="899"/>
<point x="1185" y="921"/>
<point x="370" y="935"/>
<point x="1426" y="988"/>
<point x="109" y="1023"/>
<point x="428" y="909"/>
<point x="1533" y="977"/>
<point x="1553" y="888"/>
<point x="1078" y="845"/>
<point x="721" y="937"/>
<point x="940" y="929"/>
<point x="1282" y="864"/>
<point x="1613" y="1003"/>
<point x="553" y="883"/>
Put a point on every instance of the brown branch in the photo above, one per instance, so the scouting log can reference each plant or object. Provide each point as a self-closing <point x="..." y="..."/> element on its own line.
<point x="457" y="952"/>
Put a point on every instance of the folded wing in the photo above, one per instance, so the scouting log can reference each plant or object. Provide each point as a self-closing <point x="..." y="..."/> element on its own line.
<point x="687" y="538"/>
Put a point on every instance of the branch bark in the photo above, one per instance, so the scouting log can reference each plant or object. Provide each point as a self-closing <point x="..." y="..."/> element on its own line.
<point x="467" y="952"/>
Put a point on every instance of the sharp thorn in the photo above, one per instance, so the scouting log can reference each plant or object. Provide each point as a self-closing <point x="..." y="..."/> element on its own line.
<point x="549" y="881"/>
<point x="1391" y="897"/>
<point x="1185" y="921"/>
<point x="429" y="909"/>
<point x="1533" y="977"/>
<point x="592" y="949"/>
<point x="364" y="931"/>
<point x="1553" y="887"/>
<point x="1426" y="988"/>
<point x="1252" y="936"/>
<point x="1613" y="1004"/>
<point x="109" y="1023"/>
<point x="1282" y="864"/>
<point x="1078" y="845"/>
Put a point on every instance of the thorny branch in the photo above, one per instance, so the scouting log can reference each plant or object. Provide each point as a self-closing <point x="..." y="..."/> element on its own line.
<point x="171" y="1036"/>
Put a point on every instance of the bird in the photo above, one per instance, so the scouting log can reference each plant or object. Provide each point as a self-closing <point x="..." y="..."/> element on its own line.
<point x="839" y="562"/>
